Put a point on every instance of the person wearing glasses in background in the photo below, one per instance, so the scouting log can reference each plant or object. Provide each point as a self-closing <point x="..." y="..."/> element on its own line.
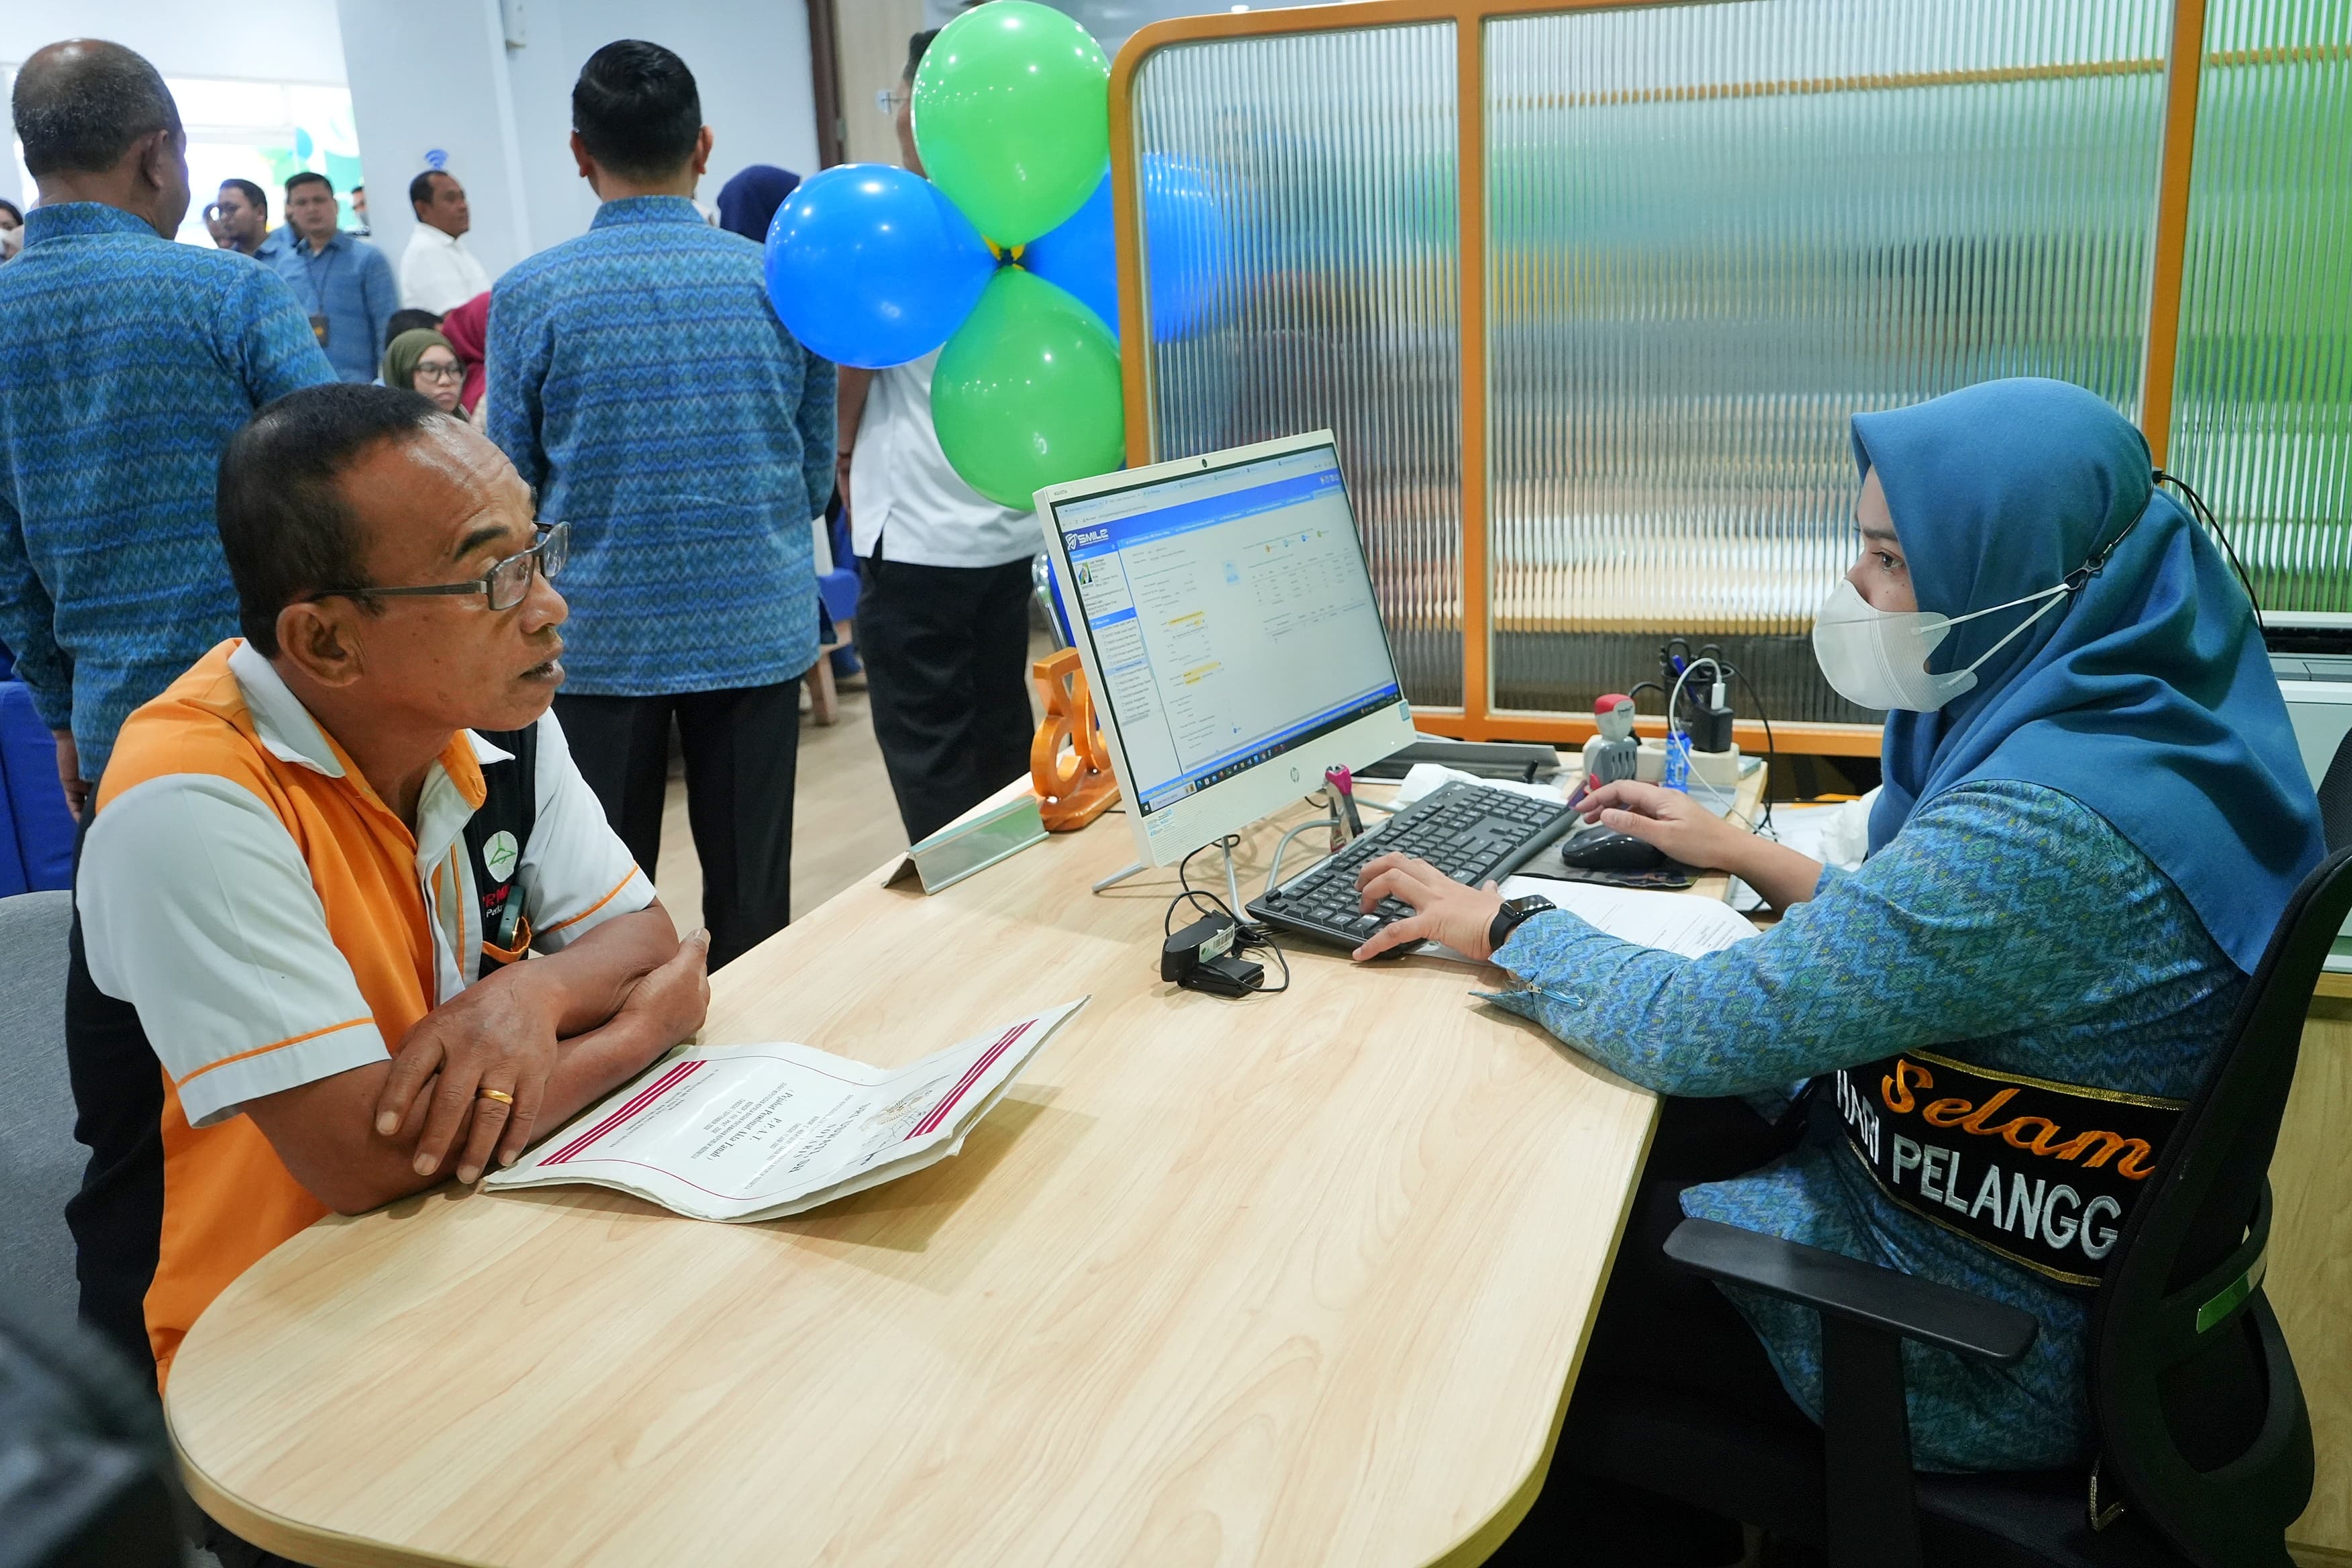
<point x="421" y="361"/>
<point x="241" y="213"/>
<point x="343" y="282"/>
<point x="318" y="859"/>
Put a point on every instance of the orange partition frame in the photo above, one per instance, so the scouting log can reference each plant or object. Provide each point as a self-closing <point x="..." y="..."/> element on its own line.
<point x="1476" y="718"/>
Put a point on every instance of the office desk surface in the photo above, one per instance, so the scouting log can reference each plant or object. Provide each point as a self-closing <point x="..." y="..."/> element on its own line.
<point x="1299" y="1279"/>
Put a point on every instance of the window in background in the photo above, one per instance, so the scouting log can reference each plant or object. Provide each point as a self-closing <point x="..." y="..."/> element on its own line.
<point x="257" y="131"/>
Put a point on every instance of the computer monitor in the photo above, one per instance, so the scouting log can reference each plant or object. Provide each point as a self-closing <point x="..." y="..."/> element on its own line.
<point x="1223" y="610"/>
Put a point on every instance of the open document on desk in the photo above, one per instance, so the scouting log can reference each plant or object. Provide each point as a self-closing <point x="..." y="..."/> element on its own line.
<point x="749" y="1132"/>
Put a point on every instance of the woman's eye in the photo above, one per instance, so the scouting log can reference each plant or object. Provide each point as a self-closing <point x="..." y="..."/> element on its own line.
<point x="1887" y="562"/>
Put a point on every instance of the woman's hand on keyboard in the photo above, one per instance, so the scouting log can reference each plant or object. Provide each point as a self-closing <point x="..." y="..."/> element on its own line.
<point x="1443" y="908"/>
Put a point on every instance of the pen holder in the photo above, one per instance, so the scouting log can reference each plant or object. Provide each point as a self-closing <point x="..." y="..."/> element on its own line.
<point x="1069" y="766"/>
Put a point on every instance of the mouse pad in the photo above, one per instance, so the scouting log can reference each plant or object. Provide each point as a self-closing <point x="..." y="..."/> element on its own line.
<point x="1670" y="877"/>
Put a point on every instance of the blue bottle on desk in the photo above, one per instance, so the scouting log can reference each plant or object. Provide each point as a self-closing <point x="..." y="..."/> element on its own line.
<point x="1678" y="762"/>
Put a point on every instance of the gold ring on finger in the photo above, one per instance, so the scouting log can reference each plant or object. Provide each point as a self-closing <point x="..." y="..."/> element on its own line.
<point x="501" y="1096"/>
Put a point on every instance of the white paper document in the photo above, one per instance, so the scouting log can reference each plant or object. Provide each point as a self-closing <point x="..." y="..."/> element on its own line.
<point x="1678" y="922"/>
<point x="749" y="1132"/>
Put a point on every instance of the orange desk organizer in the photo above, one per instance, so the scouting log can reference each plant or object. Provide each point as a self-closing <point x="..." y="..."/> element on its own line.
<point x="1074" y="787"/>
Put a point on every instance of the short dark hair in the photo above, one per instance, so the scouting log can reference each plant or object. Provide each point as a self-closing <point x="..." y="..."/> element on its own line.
<point x="636" y="109"/>
<point x="420" y="189"/>
<point x="409" y="320"/>
<point x="283" y="524"/>
<point x="304" y="176"/>
<point x="250" y="192"/>
<point x="81" y="104"/>
<point x="12" y="209"/>
<point x="917" y="47"/>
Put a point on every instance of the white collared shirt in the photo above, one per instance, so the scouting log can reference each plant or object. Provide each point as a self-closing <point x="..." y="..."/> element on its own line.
<point x="904" y="493"/>
<point x="200" y="908"/>
<point x="437" y="273"/>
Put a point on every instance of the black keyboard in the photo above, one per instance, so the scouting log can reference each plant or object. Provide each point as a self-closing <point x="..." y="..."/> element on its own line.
<point x="1470" y="832"/>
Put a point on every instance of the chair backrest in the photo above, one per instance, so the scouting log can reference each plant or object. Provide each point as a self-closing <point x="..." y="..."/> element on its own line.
<point x="2201" y="1422"/>
<point x="40" y="1163"/>
<point x="2336" y="796"/>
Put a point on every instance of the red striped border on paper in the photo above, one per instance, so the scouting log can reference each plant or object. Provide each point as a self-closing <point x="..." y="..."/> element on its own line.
<point x="636" y="1103"/>
<point x="939" y="1112"/>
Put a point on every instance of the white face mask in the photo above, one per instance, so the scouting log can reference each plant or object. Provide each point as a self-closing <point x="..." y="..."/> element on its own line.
<point x="1878" y="658"/>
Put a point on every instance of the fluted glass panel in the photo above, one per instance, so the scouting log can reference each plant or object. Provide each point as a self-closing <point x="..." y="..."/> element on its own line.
<point x="1717" y="231"/>
<point x="2262" y="406"/>
<point x="1327" y="291"/>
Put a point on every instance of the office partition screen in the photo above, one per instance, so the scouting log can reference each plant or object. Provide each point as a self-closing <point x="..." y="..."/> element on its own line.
<point x="2263" y="420"/>
<point x="1662" y="252"/>
<point x="1303" y="189"/>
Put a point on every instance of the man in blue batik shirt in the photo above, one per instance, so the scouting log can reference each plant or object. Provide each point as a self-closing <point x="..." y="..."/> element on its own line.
<point x="131" y="361"/>
<point x="344" y="283"/>
<point x="642" y="384"/>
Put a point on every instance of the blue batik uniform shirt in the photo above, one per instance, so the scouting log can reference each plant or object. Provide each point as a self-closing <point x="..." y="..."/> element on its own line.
<point x="642" y="386"/>
<point x="129" y="362"/>
<point x="349" y="282"/>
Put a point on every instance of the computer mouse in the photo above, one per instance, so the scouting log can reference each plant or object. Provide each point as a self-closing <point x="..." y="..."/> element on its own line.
<point x="1604" y="849"/>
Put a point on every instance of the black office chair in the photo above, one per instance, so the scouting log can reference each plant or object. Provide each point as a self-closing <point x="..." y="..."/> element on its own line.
<point x="2205" y="1453"/>
<point x="2336" y="796"/>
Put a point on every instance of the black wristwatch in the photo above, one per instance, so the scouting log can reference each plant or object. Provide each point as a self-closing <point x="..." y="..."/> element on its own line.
<point x="1515" y="913"/>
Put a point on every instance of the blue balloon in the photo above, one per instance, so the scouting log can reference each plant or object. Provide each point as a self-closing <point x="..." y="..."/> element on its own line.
<point x="1186" y="235"/>
<point x="870" y="266"/>
<point x="1081" y="258"/>
<point x="1184" y="230"/>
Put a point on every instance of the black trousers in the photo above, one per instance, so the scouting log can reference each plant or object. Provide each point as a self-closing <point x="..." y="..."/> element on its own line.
<point x="743" y="751"/>
<point x="947" y="667"/>
<point x="1661" y="1329"/>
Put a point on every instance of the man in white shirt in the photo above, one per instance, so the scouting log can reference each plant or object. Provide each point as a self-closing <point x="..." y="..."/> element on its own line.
<point x="943" y="605"/>
<point x="437" y="273"/>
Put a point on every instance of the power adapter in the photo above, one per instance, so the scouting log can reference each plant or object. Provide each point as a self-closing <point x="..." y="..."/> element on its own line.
<point x="1200" y="957"/>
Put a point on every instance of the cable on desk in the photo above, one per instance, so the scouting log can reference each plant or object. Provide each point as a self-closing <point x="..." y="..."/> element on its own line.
<point x="1248" y="936"/>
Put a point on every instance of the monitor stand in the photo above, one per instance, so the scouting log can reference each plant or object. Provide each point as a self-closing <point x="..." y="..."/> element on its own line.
<point x="1232" y="882"/>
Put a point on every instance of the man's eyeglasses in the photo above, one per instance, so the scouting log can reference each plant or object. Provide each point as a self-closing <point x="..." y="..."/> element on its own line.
<point x="505" y="584"/>
<point x="889" y="100"/>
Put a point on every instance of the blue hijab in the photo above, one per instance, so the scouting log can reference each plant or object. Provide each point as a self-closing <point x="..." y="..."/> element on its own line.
<point x="748" y="202"/>
<point x="2147" y="697"/>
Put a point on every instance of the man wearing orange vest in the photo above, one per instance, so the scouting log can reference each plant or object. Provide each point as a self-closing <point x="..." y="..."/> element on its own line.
<point x="319" y="859"/>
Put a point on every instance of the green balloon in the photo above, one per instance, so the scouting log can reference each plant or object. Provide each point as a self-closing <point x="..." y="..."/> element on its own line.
<point x="1026" y="394"/>
<point x="1013" y="116"/>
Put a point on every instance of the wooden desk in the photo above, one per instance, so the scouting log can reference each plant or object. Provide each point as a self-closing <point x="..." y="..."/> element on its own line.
<point x="1294" y="1279"/>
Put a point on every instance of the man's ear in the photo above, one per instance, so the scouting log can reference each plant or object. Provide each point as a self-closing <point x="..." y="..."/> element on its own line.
<point x="319" y="637"/>
<point x="587" y="165"/>
<point x="702" y="145"/>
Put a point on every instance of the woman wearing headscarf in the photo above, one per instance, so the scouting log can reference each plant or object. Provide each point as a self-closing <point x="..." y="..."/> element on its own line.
<point x="748" y="202"/>
<point x="2093" y="816"/>
<point x="422" y="361"/>
<point x="466" y="330"/>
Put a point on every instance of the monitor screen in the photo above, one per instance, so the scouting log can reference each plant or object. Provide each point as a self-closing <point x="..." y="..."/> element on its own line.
<point x="1230" y="616"/>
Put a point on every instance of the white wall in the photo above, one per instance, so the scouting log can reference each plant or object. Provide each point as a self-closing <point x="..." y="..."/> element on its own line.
<point x="258" y="40"/>
<point x="503" y="114"/>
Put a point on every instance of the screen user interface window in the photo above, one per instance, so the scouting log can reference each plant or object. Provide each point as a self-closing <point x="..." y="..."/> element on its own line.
<point x="1231" y="615"/>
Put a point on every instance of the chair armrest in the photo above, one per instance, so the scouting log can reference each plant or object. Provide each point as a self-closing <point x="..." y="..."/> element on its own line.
<point x="1862" y="1293"/>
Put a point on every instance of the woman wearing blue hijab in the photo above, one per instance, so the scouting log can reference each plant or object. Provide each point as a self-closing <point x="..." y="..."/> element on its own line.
<point x="2093" y="815"/>
<point x="748" y="202"/>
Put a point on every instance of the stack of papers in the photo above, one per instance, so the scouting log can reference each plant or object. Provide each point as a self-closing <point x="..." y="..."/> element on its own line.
<point x="749" y="1132"/>
<point x="1677" y="922"/>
